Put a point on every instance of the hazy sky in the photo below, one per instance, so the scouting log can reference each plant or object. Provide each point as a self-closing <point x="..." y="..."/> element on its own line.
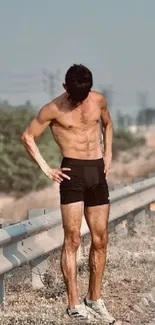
<point x="114" y="38"/>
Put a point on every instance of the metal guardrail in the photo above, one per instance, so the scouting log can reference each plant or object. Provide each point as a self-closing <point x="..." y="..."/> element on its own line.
<point x="27" y="241"/>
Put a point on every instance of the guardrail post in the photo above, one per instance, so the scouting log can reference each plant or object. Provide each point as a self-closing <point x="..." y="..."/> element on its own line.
<point x="139" y="218"/>
<point x="2" y="283"/>
<point x="121" y="225"/>
<point x="130" y="219"/>
<point x="140" y="214"/>
<point x="39" y="266"/>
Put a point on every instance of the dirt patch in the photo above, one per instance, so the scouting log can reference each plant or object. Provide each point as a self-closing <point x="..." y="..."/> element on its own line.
<point x="5" y="200"/>
<point x="45" y="198"/>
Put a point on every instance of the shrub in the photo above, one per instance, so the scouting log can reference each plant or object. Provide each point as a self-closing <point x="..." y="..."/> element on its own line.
<point x="17" y="171"/>
<point x="124" y="140"/>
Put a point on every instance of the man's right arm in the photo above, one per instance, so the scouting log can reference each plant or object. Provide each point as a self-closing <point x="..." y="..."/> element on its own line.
<point x="34" y="130"/>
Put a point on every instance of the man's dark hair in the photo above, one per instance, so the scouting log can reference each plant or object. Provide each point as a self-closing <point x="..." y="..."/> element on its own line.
<point x="79" y="81"/>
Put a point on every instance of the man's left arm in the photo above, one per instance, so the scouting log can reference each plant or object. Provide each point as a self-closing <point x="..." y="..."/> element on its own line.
<point x="107" y="130"/>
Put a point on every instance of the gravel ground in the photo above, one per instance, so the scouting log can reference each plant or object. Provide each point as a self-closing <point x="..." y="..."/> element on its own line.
<point x="129" y="275"/>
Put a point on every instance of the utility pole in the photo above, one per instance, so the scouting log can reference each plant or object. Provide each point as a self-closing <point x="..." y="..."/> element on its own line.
<point x="50" y="81"/>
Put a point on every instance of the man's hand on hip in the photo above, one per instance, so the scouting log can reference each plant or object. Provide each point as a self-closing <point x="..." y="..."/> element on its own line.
<point x="57" y="174"/>
<point x="107" y="162"/>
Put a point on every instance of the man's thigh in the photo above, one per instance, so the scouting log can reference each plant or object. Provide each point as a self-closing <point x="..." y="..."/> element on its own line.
<point x="72" y="217"/>
<point x="97" y="219"/>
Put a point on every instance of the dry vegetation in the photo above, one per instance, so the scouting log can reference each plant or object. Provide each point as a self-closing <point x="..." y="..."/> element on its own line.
<point x="129" y="275"/>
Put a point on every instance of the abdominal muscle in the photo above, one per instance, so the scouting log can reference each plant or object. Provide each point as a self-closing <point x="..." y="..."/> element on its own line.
<point x="78" y="143"/>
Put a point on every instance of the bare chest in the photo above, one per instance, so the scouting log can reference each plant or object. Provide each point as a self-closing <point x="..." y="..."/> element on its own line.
<point x="78" y="119"/>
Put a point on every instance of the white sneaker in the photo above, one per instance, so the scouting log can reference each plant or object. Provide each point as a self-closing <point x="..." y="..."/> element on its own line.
<point x="79" y="311"/>
<point x="99" y="307"/>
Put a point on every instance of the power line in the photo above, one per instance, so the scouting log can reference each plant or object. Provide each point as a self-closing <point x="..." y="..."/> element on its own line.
<point x="20" y="75"/>
<point x="45" y="81"/>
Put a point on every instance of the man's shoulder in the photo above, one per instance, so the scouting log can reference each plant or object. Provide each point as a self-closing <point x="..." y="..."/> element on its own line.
<point x="54" y="104"/>
<point x="48" y="111"/>
<point x="97" y="96"/>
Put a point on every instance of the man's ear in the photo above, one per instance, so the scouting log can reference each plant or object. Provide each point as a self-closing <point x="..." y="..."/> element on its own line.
<point x="64" y="85"/>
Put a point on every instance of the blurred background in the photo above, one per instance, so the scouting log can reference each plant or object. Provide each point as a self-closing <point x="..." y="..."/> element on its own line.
<point x="39" y="41"/>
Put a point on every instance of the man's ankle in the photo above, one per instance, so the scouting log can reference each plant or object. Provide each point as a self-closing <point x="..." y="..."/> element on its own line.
<point x="92" y="297"/>
<point x="73" y="303"/>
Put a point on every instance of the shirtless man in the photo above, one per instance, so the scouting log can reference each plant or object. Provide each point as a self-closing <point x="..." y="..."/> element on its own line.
<point x="73" y="118"/>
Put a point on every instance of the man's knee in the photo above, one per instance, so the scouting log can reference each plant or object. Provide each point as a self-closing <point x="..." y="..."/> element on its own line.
<point x="72" y="240"/>
<point x="99" y="241"/>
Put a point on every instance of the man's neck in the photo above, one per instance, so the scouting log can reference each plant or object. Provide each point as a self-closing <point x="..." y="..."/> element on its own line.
<point x="75" y="104"/>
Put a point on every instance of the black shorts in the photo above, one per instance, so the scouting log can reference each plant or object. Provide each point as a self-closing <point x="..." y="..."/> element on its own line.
<point x="88" y="182"/>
